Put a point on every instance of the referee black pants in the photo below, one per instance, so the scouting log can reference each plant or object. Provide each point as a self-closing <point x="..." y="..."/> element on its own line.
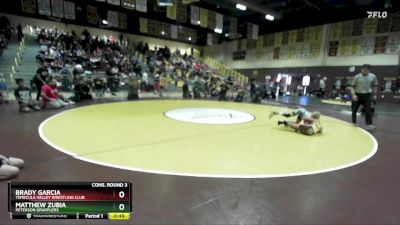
<point x="365" y="100"/>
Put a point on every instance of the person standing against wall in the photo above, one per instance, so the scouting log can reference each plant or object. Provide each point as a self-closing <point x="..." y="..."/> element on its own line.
<point x="364" y="89"/>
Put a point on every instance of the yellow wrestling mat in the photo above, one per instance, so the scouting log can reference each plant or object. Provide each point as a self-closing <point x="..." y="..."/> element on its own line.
<point x="203" y="138"/>
<point x="336" y="102"/>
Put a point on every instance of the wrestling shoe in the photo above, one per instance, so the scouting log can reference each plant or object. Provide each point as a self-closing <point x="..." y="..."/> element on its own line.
<point x="282" y="122"/>
<point x="370" y="127"/>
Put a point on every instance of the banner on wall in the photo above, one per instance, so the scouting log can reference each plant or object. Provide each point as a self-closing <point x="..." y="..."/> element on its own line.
<point x="129" y="4"/>
<point x="219" y="21"/>
<point x="122" y="21"/>
<point x="285" y="38"/>
<point x="174" y="32"/>
<point x="277" y="50"/>
<point x="315" y="49"/>
<point x="290" y="51"/>
<point x="298" y="51"/>
<point x="306" y="53"/>
<point x="194" y="15"/>
<point x="211" y="20"/>
<point x="259" y="50"/>
<point x="141" y="5"/>
<point x="233" y="25"/>
<point x="28" y="6"/>
<point x="383" y="24"/>
<point x="300" y="35"/>
<point x="143" y="27"/>
<point x="335" y="31"/>
<point x="91" y="13"/>
<point x="292" y="37"/>
<point x="171" y="12"/>
<point x="344" y="47"/>
<point x="333" y="48"/>
<point x="57" y="8"/>
<point x="203" y="17"/>
<point x="367" y="46"/>
<point x="393" y="44"/>
<point x="112" y="18"/>
<point x="114" y="2"/>
<point x="181" y="12"/>
<point x="380" y="44"/>
<point x="346" y="30"/>
<point x="317" y="35"/>
<point x="283" y="52"/>
<point x="69" y="10"/>
<point x="209" y="39"/>
<point x="44" y="7"/>
<point x="254" y="35"/>
<point x="278" y="39"/>
<point x="269" y="53"/>
<point x="269" y="40"/>
<point x="150" y="26"/>
<point x="356" y="46"/>
<point x="395" y="22"/>
<point x="308" y="33"/>
<point x="357" y="29"/>
<point x="189" y="1"/>
<point x="249" y="31"/>
<point x="370" y="26"/>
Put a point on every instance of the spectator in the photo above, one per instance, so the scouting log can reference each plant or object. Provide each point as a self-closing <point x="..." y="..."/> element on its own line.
<point x="99" y="87"/>
<point x="223" y="92"/>
<point x="133" y="89"/>
<point x="157" y="85"/>
<point x="40" y="79"/>
<point x="24" y="98"/>
<point x="185" y="89"/>
<point x="82" y="91"/>
<point x="19" y="31"/>
<point x="3" y="89"/>
<point x="50" y="97"/>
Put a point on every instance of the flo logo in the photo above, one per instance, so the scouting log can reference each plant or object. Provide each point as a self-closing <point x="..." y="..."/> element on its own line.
<point x="377" y="14"/>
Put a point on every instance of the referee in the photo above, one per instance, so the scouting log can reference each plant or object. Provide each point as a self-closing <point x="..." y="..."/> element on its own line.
<point x="364" y="88"/>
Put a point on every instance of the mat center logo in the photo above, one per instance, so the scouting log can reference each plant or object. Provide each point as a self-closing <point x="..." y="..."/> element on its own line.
<point x="209" y="116"/>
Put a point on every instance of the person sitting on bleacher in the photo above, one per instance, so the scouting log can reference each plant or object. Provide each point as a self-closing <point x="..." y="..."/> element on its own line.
<point x="82" y="91"/>
<point x="9" y="167"/>
<point x="24" y="98"/>
<point x="3" y="89"/>
<point x="99" y="86"/>
<point x="50" y="97"/>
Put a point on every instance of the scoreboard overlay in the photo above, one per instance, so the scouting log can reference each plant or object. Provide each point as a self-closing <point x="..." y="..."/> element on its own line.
<point x="70" y="200"/>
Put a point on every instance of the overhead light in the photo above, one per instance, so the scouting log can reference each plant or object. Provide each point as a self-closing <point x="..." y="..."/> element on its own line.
<point x="217" y="30"/>
<point x="190" y="38"/>
<point x="165" y="3"/>
<point x="162" y="33"/>
<point x="104" y="22"/>
<point x="241" y="7"/>
<point x="269" y="17"/>
<point x="198" y="22"/>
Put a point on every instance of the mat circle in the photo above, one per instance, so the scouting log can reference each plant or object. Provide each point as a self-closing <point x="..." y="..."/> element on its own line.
<point x="138" y="136"/>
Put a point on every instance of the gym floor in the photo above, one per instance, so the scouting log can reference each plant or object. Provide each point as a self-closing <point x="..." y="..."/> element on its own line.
<point x="366" y="193"/>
